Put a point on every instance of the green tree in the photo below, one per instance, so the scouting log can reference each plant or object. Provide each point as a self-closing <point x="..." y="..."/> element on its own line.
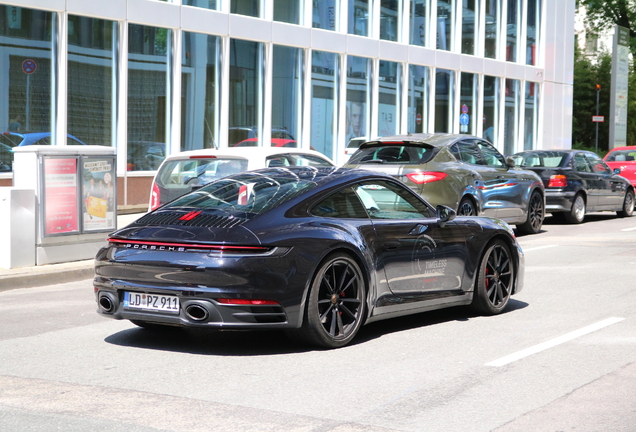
<point x="604" y="14"/>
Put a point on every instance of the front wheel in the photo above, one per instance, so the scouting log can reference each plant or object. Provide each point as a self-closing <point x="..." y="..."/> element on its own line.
<point x="336" y="303"/>
<point x="577" y="212"/>
<point x="628" y="205"/>
<point x="495" y="280"/>
<point x="535" y="216"/>
<point x="466" y="208"/>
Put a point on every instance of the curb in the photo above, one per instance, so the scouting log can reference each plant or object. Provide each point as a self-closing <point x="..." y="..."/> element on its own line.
<point x="31" y="277"/>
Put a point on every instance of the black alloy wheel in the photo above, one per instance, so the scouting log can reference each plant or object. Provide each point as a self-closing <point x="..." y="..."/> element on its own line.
<point x="466" y="208"/>
<point x="336" y="304"/>
<point x="628" y="205"/>
<point x="536" y="214"/>
<point x="495" y="281"/>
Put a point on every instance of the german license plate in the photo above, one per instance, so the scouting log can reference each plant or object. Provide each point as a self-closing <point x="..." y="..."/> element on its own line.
<point x="153" y="302"/>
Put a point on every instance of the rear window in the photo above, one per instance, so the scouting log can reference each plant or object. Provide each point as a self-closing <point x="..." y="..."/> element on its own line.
<point x="178" y="173"/>
<point x="407" y="154"/>
<point x="246" y="194"/>
<point x="549" y="159"/>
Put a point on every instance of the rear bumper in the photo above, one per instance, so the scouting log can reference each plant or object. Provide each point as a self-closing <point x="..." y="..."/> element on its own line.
<point x="558" y="201"/>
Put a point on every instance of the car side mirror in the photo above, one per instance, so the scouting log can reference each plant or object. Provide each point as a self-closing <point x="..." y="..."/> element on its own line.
<point x="617" y="170"/>
<point x="510" y="162"/>
<point x="445" y="214"/>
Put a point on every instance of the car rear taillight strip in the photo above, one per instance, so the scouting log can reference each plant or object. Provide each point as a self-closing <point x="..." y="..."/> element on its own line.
<point x="151" y="245"/>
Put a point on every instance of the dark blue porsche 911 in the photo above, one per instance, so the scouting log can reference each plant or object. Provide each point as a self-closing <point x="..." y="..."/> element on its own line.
<point x="316" y="251"/>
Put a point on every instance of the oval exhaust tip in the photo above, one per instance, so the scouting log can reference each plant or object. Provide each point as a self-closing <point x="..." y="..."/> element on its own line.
<point x="106" y="303"/>
<point x="197" y="313"/>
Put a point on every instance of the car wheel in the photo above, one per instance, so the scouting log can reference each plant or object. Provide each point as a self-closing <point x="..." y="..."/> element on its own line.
<point x="336" y="303"/>
<point x="466" y="208"/>
<point x="628" y="205"/>
<point x="495" y="280"/>
<point x="577" y="212"/>
<point x="536" y="213"/>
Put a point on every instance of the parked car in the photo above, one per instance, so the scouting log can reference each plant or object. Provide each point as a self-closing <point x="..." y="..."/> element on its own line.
<point x="182" y="172"/>
<point x="622" y="161"/>
<point x="14" y="139"/>
<point x="463" y="172"/>
<point x="315" y="251"/>
<point x="353" y="145"/>
<point x="577" y="182"/>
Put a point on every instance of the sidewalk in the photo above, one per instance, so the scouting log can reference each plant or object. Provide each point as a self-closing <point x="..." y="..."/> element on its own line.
<point x="27" y="277"/>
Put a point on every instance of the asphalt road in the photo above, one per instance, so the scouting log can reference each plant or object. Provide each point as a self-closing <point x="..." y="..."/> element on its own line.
<point x="562" y="358"/>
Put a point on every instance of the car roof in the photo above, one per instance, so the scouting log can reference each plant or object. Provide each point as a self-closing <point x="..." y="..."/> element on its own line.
<point x="623" y="148"/>
<point x="245" y="152"/>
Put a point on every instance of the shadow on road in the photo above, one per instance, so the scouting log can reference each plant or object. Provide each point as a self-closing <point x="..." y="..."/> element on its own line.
<point x="274" y="342"/>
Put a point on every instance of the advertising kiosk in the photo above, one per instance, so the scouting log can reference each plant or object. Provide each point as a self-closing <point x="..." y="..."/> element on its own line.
<point x="75" y="192"/>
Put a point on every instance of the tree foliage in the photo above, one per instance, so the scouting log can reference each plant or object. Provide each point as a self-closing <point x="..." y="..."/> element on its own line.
<point x="604" y="14"/>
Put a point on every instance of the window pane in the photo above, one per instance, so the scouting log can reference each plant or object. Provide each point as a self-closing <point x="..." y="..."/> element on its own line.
<point x="246" y="7"/>
<point x="90" y="76"/>
<point x="532" y="39"/>
<point x="358" y="97"/>
<point x="419" y="22"/>
<point x="418" y="98"/>
<point x="513" y="28"/>
<point x="325" y="14"/>
<point x="288" y="11"/>
<point x="511" y="116"/>
<point x="324" y="80"/>
<point x="246" y="92"/>
<point x="491" y="109"/>
<point x="147" y="96"/>
<point x="26" y="77"/>
<point x="206" y="4"/>
<point x="200" y="91"/>
<point x="359" y="17"/>
<point x="531" y="117"/>
<point x="469" y="24"/>
<point x="389" y="19"/>
<point x="492" y="28"/>
<point x="468" y="101"/>
<point x="443" y="100"/>
<point x="287" y="96"/>
<point x="445" y="27"/>
<point x="389" y="97"/>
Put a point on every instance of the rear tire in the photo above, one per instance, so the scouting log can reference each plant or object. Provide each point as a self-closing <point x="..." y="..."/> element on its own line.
<point x="495" y="279"/>
<point x="466" y="207"/>
<point x="628" y="205"/>
<point x="535" y="216"/>
<point x="577" y="212"/>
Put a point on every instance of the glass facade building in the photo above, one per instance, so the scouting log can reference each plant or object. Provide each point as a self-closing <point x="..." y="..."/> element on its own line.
<point x="153" y="77"/>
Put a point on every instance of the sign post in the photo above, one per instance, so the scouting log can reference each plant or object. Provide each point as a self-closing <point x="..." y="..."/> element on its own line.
<point x="620" y="86"/>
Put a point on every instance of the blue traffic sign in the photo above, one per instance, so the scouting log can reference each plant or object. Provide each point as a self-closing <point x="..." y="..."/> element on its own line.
<point x="464" y="119"/>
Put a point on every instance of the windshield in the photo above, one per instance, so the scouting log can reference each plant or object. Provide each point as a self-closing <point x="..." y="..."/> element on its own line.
<point x="621" y="156"/>
<point x="407" y="154"/>
<point x="246" y="194"/>
<point x="546" y="159"/>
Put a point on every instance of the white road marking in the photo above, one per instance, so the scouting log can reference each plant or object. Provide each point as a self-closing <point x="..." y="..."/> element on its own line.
<point x="538" y="247"/>
<point x="554" y="342"/>
<point x="629" y="229"/>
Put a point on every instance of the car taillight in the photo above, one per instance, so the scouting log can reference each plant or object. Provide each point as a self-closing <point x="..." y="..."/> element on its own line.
<point x="425" y="177"/>
<point x="558" y="180"/>
<point x="247" y="302"/>
<point x="155" y="197"/>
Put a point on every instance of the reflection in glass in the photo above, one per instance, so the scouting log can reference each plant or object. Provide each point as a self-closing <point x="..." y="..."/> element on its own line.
<point x="513" y="30"/>
<point x="534" y="6"/>
<point x="390" y="19"/>
<point x="206" y="4"/>
<point x="418" y="99"/>
<point x="445" y="24"/>
<point x="325" y="14"/>
<point x="492" y="28"/>
<point x="468" y="101"/>
<point x="531" y="115"/>
<point x="288" y="11"/>
<point x="246" y="92"/>
<point x="246" y="7"/>
<point x="358" y="97"/>
<point x="200" y="91"/>
<point x="148" y="90"/>
<point x="491" y="109"/>
<point x="91" y="63"/>
<point x="419" y="24"/>
<point x="511" y="116"/>
<point x="25" y="80"/>
<point x="324" y="90"/>
<point x="359" y="17"/>
<point x="287" y="96"/>
<point x="389" y="98"/>
<point x="444" y="85"/>
<point x="469" y="26"/>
